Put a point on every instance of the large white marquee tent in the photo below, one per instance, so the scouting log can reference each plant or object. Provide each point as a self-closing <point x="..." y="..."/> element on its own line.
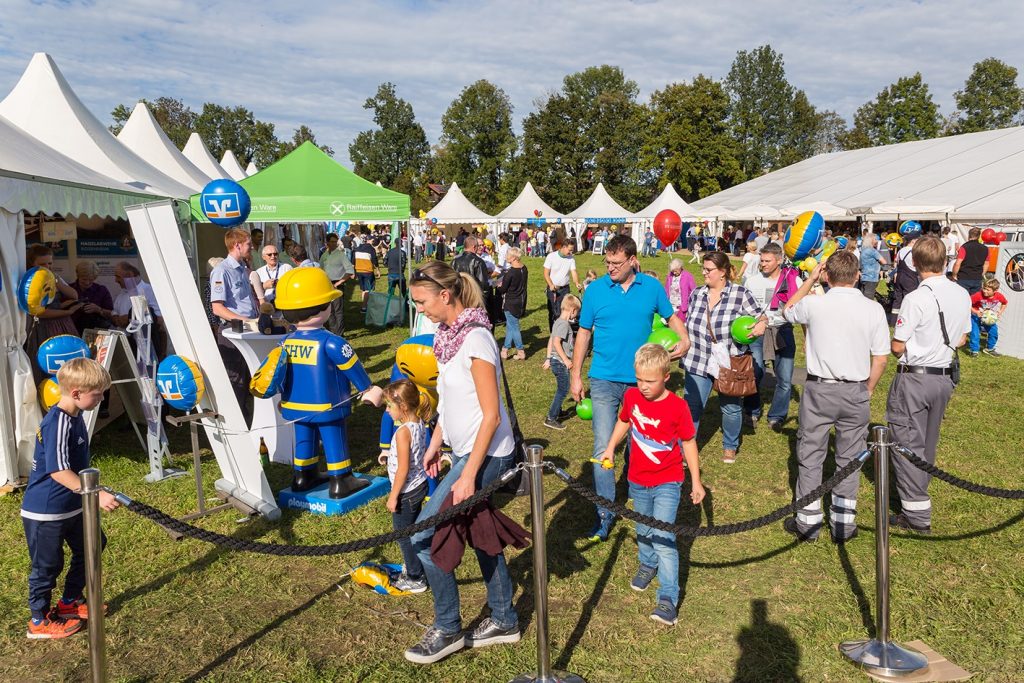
<point x="198" y="153"/>
<point x="144" y="136"/>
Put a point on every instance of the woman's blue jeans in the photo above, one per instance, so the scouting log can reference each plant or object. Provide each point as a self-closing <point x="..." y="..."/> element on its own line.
<point x="513" y="334"/>
<point x="697" y="389"/>
<point x="658" y="548"/>
<point x="443" y="587"/>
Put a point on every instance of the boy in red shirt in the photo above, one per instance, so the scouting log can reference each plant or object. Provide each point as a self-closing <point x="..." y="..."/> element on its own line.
<point x="661" y="435"/>
<point x="983" y="305"/>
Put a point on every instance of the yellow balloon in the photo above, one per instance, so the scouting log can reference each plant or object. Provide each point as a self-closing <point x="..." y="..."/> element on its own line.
<point x="808" y="264"/>
<point x="828" y="249"/>
<point x="49" y="394"/>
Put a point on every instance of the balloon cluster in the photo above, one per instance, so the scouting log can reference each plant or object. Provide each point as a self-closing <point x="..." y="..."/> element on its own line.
<point x="990" y="236"/>
<point x="538" y="213"/>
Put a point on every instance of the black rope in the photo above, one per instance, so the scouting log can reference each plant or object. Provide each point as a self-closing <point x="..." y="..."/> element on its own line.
<point x="581" y="489"/>
<point x="179" y="527"/>
<point x="945" y="476"/>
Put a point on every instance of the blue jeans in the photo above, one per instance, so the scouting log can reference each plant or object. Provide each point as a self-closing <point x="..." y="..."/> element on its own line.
<point x="561" y="387"/>
<point x="658" y="548"/>
<point x="697" y="389"/>
<point x="443" y="587"/>
<point x="606" y="397"/>
<point x="513" y="334"/>
<point x="409" y="505"/>
<point x="977" y="327"/>
<point x="783" y="366"/>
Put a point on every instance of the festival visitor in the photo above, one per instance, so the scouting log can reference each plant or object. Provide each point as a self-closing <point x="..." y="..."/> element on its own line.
<point x="751" y="261"/>
<point x="772" y="286"/>
<point x="231" y="298"/>
<point x="969" y="267"/>
<point x="300" y="255"/>
<point x="617" y="314"/>
<point x="57" y="318"/>
<point x="411" y="411"/>
<point x="256" y="254"/>
<point x="559" y="357"/>
<point x="559" y="266"/>
<point x="51" y="509"/>
<point x="339" y="269"/>
<point x="98" y="308"/>
<point x="661" y="436"/>
<point x="934" y="321"/>
<point x="679" y="283"/>
<point x="709" y="317"/>
<point x="951" y="239"/>
<point x="988" y="299"/>
<point x="847" y="346"/>
<point x="871" y="262"/>
<point x="473" y="421"/>
<point x="364" y="258"/>
<point x="272" y="270"/>
<point x="396" y="260"/>
<point x="502" y="252"/>
<point x="906" y="277"/>
<point x="513" y="292"/>
<point x="588" y="279"/>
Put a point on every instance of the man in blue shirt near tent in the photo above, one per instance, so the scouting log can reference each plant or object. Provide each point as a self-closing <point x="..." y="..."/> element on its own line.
<point x="618" y="310"/>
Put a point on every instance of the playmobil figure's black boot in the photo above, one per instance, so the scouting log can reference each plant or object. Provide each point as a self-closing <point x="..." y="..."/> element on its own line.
<point x="305" y="480"/>
<point x="345" y="485"/>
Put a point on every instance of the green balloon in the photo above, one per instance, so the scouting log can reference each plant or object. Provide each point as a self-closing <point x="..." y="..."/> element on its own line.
<point x="585" y="409"/>
<point x="658" y="323"/>
<point x="741" y="329"/>
<point x="664" y="337"/>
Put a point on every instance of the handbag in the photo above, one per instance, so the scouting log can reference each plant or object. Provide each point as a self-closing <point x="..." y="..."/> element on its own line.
<point x="738" y="378"/>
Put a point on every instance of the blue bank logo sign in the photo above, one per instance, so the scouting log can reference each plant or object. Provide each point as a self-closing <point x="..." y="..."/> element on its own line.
<point x="224" y="205"/>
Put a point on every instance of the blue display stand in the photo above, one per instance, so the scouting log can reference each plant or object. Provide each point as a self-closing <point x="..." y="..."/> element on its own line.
<point x="318" y="502"/>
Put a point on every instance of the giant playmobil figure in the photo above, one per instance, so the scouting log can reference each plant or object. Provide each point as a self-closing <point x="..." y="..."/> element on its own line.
<point x="314" y="371"/>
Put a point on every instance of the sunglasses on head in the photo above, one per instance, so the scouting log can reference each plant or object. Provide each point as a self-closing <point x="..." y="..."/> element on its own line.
<point x="418" y="275"/>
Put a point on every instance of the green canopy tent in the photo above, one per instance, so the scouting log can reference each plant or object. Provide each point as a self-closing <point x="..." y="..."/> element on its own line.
<point x="307" y="186"/>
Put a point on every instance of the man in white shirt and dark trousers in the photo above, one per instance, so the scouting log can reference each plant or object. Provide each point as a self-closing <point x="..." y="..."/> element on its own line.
<point x="847" y="346"/>
<point x="934" y="320"/>
<point x="558" y="267"/>
<point x="340" y="270"/>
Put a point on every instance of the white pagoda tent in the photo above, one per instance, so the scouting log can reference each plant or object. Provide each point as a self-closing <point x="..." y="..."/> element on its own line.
<point x="230" y="164"/>
<point x="195" y="150"/>
<point x="601" y="208"/>
<point x="522" y="209"/>
<point x="455" y="209"/>
<point x="44" y="105"/>
<point x="251" y="169"/>
<point x="143" y="135"/>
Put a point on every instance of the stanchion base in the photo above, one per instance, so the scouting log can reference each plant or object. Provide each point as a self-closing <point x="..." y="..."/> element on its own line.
<point x="885" y="659"/>
<point x="555" y="677"/>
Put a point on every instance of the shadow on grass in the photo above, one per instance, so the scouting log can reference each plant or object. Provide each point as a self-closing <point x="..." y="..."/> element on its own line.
<point x="996" y="528"/>
<point x="767" y="650"/>
<point x="863" y="606"/>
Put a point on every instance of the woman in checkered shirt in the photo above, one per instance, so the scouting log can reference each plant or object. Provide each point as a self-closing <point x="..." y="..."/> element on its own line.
<point x="710" y="314"/>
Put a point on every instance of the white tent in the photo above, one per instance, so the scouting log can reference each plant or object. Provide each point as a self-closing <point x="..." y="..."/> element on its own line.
<point x="251" y="169"/>
<point x="828" y="211"/>
<point x="754" y="212"/>
<point x="195" y="150"/>
<point x="523" y="207"/>
<point x="45" y="106"/>
<point x="454" y="208"/>
<point x="601" y="208"/>
<point x="143" y="135"/>
<point x="230" y="164"/>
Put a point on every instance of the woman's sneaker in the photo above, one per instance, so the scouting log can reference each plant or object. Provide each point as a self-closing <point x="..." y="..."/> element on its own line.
<point x="407" y="584"/>
<point x="52" y="627"/>
<point x="665" y="613"/>
<point x="435" y="646"/>
<point x="489" y="633"/>
<point x="643" y="577"/>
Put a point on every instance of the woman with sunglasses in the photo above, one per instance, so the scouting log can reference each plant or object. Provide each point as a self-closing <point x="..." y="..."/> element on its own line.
<point x="473" y="421"/>
<point x="710" y="314"/>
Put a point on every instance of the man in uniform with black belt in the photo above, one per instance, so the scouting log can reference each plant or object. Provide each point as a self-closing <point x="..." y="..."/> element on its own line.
<point x="934" y="320"/>
<point x="847" y="346"/>
<point x="231" y="298"/>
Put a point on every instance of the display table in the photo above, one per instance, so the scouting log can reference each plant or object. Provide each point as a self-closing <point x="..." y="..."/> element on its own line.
<point x="267" y="423"/>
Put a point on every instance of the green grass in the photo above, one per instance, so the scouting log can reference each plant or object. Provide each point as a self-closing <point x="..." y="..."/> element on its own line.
<point x="190" y="611"/>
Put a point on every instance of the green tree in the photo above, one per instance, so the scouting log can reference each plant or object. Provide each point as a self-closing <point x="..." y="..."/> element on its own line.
<point x="478" y="143"/>
<point x="803" y="135"/>
<point x="688" y="142"/>
<point x="175" y="118"/>
<point x="990" y="99"/>
<point x="762" y="108"/>
<point x="397" y="152"/>
<point x="902" y="112"/>
<point x="303" y="134"/>
<point x="591" y="131"/>
<point x="832" y="132"/>
<point x="236" y="128"/>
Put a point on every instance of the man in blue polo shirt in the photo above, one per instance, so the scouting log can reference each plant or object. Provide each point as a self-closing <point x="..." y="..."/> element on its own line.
<point x="618" y="310"/>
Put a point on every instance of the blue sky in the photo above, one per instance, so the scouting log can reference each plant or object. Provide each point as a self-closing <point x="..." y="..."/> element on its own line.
<point x="316" y="61"/>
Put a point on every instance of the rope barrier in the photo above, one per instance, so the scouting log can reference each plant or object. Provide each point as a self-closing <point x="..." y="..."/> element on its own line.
<point x="586" y="492"/>
<point x="177" y="526"/>
<point x="945" y="476"/>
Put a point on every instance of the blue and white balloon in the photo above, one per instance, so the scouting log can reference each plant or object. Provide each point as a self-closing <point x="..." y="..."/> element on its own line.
<point x="58" y="350"/>
<point x="225" y="203"/>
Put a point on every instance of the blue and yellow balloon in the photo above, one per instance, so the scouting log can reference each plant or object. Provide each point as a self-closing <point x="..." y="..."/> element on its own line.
<point x="804" y="235"/>
<point x="225" y="203"/>
<point x="180" y="382"/>
<point x="908" y="230"/>
<point x="36" y="290"/>
<point x="268" y="380"/>
<point x="49" y="394"/>
<point x="58" y="350"/>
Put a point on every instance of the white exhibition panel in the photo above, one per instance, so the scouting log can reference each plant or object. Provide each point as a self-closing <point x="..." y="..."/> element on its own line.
<point x="155" y="227"/>
<point x="1010" y="273"/>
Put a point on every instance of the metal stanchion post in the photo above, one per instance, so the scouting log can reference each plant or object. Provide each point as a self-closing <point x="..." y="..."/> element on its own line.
<point x="880" y="655"/>
<point x="544" y="674"/>
<point x="94" y="572"/>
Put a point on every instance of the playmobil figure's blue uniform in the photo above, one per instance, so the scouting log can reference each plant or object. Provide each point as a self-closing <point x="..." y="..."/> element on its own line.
<point x="322" y="369"/>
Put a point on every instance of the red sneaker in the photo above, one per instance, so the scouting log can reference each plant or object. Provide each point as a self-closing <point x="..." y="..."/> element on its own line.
<point x="53" y="627"/>
<point x="78" y="609"/>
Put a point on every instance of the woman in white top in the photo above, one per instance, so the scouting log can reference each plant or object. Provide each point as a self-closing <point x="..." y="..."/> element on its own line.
<point x="473" y="421"/>
<point x="751" y="263"/>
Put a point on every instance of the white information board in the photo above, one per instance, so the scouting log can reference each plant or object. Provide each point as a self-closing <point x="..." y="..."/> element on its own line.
<point x="1010" y="273"/>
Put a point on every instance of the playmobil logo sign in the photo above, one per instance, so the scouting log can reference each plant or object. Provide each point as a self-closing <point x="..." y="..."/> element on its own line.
<point x="223" y="205"/>
<point x="310" y="505"/>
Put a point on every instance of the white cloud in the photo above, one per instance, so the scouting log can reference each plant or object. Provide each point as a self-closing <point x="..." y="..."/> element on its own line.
<point x="315" y="62"/>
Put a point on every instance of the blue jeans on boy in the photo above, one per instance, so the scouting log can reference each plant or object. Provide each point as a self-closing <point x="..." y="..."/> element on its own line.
<point x="46" y="541"/>
<point x="977" y="327"/>
<point x="606" y="397"/>
<point x="409" y="504"/>
<point x="658" y="548"/>
<point x="443" y="587"/>
<point x="561" y="386"/>
<point x="783" y="366"/>
<point x="697" y="389"/>
<point x="513" y="333"/>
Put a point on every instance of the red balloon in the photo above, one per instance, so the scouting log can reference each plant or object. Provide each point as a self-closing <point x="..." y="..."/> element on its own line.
<point x="1000" y="237"/>
<point x="667" y="226"/>
<point x="988" y="235"/>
